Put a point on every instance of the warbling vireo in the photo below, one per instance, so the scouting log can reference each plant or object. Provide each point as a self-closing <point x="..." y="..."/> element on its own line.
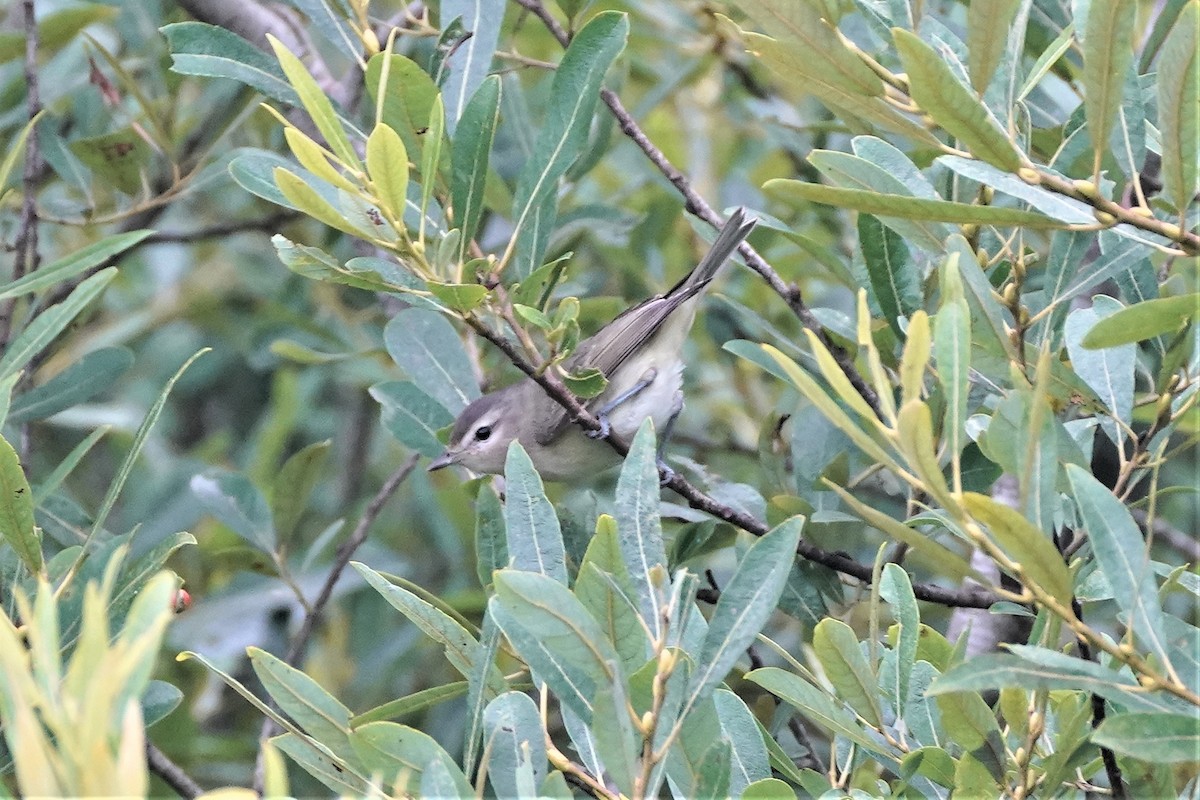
<point x="640" y="353"/>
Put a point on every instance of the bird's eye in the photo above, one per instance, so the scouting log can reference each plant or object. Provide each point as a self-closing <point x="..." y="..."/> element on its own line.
<point x="483" y="433"/>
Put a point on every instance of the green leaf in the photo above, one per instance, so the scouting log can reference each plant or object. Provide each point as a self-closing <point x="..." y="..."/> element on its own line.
<point x="56" y="29"/>
<point x="406" y="100"/>
<point x="315" y="264"/>
<point x="16" y="146"/>
<point x="461" y="297"/>
<point x="515" y="744"/>
<point x="586" y="383"/>
<point x="77" y="262"/>
<point x="480" y="689"/>
<point x="1158" y="738"/>
<point x="768" y="789"/>
<point x="815" y="704"/>
<point x="972" y="779"/>
<point x="425" y="345"/>
<point x="387" y="164"/>
<point x="952" y="354"/>
<point x="572" y="105"/>
<point x="318" y="106"/>
<point x="933" y="763"/>
<point x="1179" y="107"/>
<point x="617" y="745"/>
<point x="904" y="206"/>
<point x="836" y="647"/>
<point x="210" y="51"/>
<point x="158" y="700"/>
<point x="896" y="589"/>
<point x="895" y="279"/>
<point x="294" y="485"/>
<point x="51" y="322"/>
<point x="1063" y="209"/>
<point x="491" y="546"/>
<point x="471" y="60"/>
<point x="1107" y="54"/>
<point x="116" y="158"/>
<point x="238" y="504"/>
<point x="16" y="510"/>
<point x="412" y="703"/>
<point x="431" y="155"/>
<point x="602" y="587"/>
<point x="87" y="377"/>
<point x="1143" y="321"/>
<point x="988" y="24"/>
<point x="747" y="602"/>
<point x="300" y="697"/>
<point x="1122" y="555"/>
<point x="320" y="764"/>
<point x="748" y="753"/>
<point x="303" y="197"/>
<point x="535" y="542"/>
<point x="469" y="159"/>
<point x="461" y="648"/>
<point x="400" y="755"/>
<point x="639" y="528"/>
<point x="313" y="158"/>
<point x="915" y="426"/>
<point x="1040" y="669"/>
<point x="1023" y="543"/>
<point x="556" y="636"/>
<point x="1110" y="371"/>
<point x="951" y="104"/>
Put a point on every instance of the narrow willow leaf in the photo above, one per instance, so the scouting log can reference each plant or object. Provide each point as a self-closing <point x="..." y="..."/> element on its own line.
<point x="1158" y="738"/>
<point x="904" y="206"/>
<point x="988" y="23"/>
<point x="948" y="561"/>
<point x="1109" y="371"/>
<point x="778" y="364"/>
<point x="387" y="164"/>
<point x="479" y="690"/>
<point x="1040" y="669"/>
<point x="461" y="648"/>
<point x="1024" y="544"/>
<point x="556" y="636"/>
<point x="573" y="97"/>
<point x="1122" y="555"/>
<point x="617" y="745"/>
<point x="1107" y="54"/>
<point x="807" y="74"/>
<point x="87" y="377"/>
<point x="838" y="381"/>
<point x="1179" y="106"/>
<point x="460" y="297"/>
<point x="312" y="157"/>
<point x="431" y="155"/>
<point x="915" y="359"/>
<point x="1049" y="57"/>
<point x="238" y="504"/>
<point x="748" y="752"/>
<point x="952" y="104"/>
<point x="304" y="198"/>
<point x="16" y="148"/>
<point x="639" y="528"/>
<point x="315" y="103"/>
<point x="211" y="51"/>
<point x="71" y="265"/>
<point x="747" y="601"/>
<point x="603" y="588"/>
<point x="51" y="322"/>
<point x="815" y="704"/>
<point x="491" y="547"/>
<point x="469" y="160"/>
<point x="1143" y="321"/>
<point x="896" y="589"/>
<point x="16" y="510"/>
<point x="318" y="763"/>
<point x="534" y="536"/>
<point x="845" y="666"/>
<point x="319" y="713"/>
<point x="515" y="741"/>
<point x="1063" y="209"/>
<point x="401" y="755"/>
<point x="425" y="345"/>
<point x="915" y="426"/>
<point x="952" y="355"/>
<point x="293" y="485"/>
<point x="471" y="60"/>
<point x="895" y="279"/>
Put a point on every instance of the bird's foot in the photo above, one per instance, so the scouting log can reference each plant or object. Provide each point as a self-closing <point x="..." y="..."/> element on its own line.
<point x="665" y="473"/>
<point x="604" y="429"/>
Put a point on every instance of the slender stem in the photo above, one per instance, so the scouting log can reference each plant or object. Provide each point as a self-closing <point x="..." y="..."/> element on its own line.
<point x="171" y="773"/>
<point x="1111" y="768"/>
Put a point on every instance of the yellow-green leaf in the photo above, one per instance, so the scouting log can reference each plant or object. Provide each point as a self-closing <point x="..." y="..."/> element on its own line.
<point x="312" y="157"/>
<point x="387" y="164"/>
<point x="988" y="24"/>
<point x="916" y="440"/>
<point x="316" y="103"/>
<point x="16" y="509"/>
<point x="306" y="199"/>
<point x="1107" y="52"/>
<point x="1179" y="106"/>
<point x="1021" y="541"/>
<point x="462" y="297"/>
<point x="915" y="358"/>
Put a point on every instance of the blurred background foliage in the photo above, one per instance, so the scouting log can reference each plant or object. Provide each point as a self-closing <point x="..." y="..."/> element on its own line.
<point x="270" y="445"/>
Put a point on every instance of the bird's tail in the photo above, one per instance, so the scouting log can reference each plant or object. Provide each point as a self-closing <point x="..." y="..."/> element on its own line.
<point x="735" y="229"/>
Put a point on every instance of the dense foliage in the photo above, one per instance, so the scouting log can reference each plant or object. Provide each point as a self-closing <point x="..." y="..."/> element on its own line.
<point x="931" y="525"/>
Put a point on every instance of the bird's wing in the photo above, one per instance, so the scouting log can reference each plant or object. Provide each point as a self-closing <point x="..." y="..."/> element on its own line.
<point x="613" y="344"/>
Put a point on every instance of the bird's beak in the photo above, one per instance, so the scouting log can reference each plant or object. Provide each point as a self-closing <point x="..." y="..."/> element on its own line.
<point x="444" y="460"/>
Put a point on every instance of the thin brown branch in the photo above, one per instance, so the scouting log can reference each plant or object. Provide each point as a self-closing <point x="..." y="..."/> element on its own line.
<point x="171" y="773"/>
<point x="1111" y="768"/>
<point x="699" y="207"/>
<point x="25" y="257"/>
<point x="267" y="223"/>
<point x="966" y="597"/>
<point x="344" y="553"/>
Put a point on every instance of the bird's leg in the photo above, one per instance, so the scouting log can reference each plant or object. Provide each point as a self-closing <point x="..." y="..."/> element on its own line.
<point x="602" y="413"/>
<point x="664" y="470"/>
